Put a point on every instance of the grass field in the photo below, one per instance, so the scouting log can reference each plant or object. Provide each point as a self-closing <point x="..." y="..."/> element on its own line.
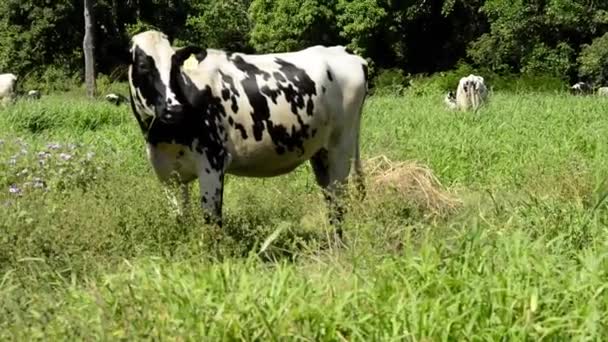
<point x="89" y="249"/>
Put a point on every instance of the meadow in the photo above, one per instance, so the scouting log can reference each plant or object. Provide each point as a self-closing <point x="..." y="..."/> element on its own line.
<point x="90" y="250"/>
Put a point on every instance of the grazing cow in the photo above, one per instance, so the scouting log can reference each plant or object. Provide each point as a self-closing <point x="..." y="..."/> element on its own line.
<point x="471" y="92"/>
<point x="116" y="99"/>
<point x="602" y="91"/>
<point x="33" y="95"/>
<point x="450" y="100"/>
<point x="7" y="87"/>
<point x="205" y="113"/>
<point x="581" y="88"/>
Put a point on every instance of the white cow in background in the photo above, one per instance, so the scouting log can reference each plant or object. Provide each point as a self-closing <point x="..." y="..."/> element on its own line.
<point x="7" y="87"/>
<point x="602" y="91"/>
<point x="471" y="93"/>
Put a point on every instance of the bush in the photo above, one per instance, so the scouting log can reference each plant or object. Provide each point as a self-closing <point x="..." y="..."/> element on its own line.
<point x="448" y="81"/>
<point x="390" y="81"/>
<point x="593" y="60"/>
<point x="105" y="85"/>
<point x="52" y="79"/>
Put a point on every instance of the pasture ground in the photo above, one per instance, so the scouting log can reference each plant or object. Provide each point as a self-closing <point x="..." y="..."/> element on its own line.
<point x="89" y="248"/>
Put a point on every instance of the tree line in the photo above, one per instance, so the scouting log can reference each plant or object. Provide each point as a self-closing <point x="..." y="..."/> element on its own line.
<point x="560" y="38"/>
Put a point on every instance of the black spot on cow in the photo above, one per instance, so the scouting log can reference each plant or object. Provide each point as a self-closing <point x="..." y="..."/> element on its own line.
<point x="365" y="72"/>
<point x="277" y="76"/>
<point x="235" y="106"/>
<point x="230" y="121"/>
<point x="272" y="93"/>
<point x="204" y="199"/>
<point x="305" y="85"/>
<point x="331" y="78"/>
<point x="323" y="89"/>
<point x="146" y="79"/>
<point x="241" y="129"/>
<point x="283" y="139"/>
<point x="180" y="153"/>
<point x="225" y="94"/>
<point x="207" y="170"/>
<point x="231" y="92"/>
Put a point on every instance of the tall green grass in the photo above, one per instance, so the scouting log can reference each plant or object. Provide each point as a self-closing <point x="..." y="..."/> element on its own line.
<point x="102" y="257"/>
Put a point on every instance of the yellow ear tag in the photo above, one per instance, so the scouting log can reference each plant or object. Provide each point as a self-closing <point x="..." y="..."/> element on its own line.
<point x="191" y="63"/>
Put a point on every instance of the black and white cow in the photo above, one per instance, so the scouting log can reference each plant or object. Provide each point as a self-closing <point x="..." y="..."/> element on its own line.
<point x="115" y="99"/>
<point x="205" y="113"/>
<point x="581" y="88"/>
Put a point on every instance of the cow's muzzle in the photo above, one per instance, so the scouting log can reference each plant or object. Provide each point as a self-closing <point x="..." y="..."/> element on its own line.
<point x="173" y="114"/>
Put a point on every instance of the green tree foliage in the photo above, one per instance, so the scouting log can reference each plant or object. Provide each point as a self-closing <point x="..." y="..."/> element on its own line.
<point x="537" y="36"/>
<point x="42" y="39"/>
<point x="35" y="33"/>
<point x="594" y="60"/>
<point x="358" y="22"/>
<point x="219" y="24"/>
<point x="285" y="25"/>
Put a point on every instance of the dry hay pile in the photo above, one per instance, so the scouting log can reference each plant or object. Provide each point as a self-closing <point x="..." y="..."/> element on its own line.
<point x="412" y="182"/>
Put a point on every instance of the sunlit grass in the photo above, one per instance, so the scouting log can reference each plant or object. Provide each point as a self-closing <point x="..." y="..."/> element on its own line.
<point x="102" y="257"/>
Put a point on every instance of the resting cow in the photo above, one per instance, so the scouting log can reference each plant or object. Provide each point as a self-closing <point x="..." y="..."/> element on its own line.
<point x="116" y="99"/>
<point x="248" y="115"/>
<point x="602" y="91"/>
<point x="581" y="88"/>
<point x="33" y="95"/>
<point x="471" y="93"/>
<point x="7" y="87"/>
<point x="450" y="100"/>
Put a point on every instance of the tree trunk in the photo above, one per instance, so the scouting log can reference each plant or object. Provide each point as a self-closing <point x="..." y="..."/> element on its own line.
<point x="89" y="47"/>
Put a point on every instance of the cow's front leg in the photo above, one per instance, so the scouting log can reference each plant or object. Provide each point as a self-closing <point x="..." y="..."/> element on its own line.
<point x="211" y="184"/>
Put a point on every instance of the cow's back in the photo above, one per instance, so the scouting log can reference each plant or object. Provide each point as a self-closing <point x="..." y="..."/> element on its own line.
<point x="281" y="108"/>
<point x="7" y="84"/>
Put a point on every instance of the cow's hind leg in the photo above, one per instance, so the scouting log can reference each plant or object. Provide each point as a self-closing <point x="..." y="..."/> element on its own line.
<point x="331" y="168"/>
<point x="211" y="184"/>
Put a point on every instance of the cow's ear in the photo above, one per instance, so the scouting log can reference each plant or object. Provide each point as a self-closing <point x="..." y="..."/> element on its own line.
<point x="182" y="54"/>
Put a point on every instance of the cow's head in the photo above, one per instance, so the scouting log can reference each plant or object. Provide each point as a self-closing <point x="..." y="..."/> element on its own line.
<point x="150" y="77"/>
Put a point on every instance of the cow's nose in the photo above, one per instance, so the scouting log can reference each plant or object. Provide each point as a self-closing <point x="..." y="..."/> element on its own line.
<point x="175" y="108"/>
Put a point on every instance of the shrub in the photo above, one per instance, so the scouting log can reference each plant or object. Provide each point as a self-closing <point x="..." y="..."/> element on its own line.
<point x="390" y="81"/>
<point x="594" y="60"/>
<point x="50" y="79"/>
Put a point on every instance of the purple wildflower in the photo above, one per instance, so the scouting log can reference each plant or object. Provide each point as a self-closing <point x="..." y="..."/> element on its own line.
<point x="13" y="189"/>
